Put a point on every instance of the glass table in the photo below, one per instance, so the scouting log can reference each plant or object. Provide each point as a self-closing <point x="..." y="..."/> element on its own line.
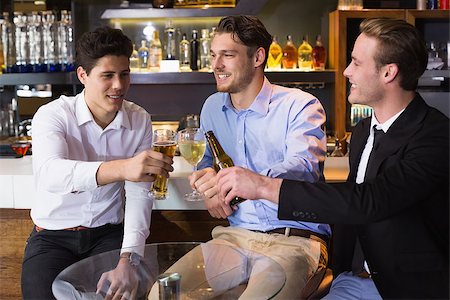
<point x="207" y="270"/>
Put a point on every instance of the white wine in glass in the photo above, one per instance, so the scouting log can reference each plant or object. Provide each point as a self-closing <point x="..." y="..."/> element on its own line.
<point x="192" y="145"/>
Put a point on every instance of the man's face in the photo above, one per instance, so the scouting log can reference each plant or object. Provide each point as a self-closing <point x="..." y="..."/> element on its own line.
<point x="364" y="77"/>
<point x="106" y="86"/>
<point x="233" y="69"/>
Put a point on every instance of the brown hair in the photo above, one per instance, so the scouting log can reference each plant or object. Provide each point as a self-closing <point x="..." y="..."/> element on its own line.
<point x="250" y="31"/>
<point x="400" y="43"/>
<point x="96" y="44"/>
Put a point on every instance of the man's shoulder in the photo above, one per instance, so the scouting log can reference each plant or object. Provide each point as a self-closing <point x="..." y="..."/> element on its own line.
<point x="215" y="101"/>
<point x="132" y="107"/>
<point x="59" y="105"/>
<point x="136" y="113"/>
<point x="291" y="95"/>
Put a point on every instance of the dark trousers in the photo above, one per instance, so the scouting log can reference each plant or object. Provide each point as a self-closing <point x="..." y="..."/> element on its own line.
<point x="48" y="252"/>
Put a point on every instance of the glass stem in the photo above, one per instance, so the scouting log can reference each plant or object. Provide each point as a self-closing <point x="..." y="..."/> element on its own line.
<point x="194" y="190"/>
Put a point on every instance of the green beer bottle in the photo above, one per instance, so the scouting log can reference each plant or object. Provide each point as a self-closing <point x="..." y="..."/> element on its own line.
<point x="221" y="159"/>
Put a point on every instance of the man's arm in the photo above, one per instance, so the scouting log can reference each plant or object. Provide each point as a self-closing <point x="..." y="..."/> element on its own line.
<point x="305" y="142"/>
<point x="421" y="171"/>
<point x="139" y="168"/>
<point x="61" y="173"/>
<point x="238" y="181"/>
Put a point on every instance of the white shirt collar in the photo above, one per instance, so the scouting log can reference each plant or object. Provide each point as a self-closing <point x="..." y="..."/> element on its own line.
<point x="84" y="115"/>
<point x="385" y="126"/>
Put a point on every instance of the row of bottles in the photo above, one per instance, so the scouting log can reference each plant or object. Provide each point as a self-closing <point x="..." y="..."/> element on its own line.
<point x="359" y="112"/>
<point x="193" y="54"/>
<point x="433" y="4"/>
<point x="305" y="58"/>
<point x="37" y="42"/>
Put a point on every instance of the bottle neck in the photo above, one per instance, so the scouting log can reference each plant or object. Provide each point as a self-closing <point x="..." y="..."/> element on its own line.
<point x="214" y="145"/>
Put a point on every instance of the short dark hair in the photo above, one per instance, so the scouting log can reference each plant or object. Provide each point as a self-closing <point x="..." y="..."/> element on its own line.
<point x="96" y="44"/>
<point x="250" y="31"/>
<point x="400" y="43"/>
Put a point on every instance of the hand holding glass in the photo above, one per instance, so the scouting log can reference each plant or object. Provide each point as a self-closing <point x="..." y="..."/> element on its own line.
<point x="192" y="145"/>
<point x="164" y="141"/>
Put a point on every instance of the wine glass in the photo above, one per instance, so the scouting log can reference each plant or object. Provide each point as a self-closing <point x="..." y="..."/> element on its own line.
<point x="192" y="145"/>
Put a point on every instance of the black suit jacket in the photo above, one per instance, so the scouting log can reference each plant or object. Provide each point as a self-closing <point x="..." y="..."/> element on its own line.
<point x="401" y="216"/>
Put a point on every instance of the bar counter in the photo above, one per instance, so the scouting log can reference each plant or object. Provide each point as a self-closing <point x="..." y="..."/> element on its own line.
<point x="17" y="186"/>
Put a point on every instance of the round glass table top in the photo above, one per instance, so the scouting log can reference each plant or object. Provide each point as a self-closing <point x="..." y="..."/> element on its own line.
<point x="204" y="270"/>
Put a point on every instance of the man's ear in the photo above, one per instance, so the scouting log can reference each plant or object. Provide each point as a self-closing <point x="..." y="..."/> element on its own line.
<point x="390" y="72"/>
<point x="81" y="74"/>
<point x="260" y="56"/>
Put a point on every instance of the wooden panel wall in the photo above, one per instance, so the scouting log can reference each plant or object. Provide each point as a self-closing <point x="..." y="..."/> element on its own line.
<point x="16" y="225"/>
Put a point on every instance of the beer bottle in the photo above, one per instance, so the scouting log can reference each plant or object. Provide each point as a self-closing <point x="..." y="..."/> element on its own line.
<point x="221" y="159"/>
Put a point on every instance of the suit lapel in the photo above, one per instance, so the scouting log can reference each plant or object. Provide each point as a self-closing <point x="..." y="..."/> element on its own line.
<point x="400" y="132"/>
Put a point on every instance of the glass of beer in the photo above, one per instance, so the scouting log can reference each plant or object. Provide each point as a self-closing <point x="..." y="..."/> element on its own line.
<point x="164" y="141"/>
<point x="192" y="145"/>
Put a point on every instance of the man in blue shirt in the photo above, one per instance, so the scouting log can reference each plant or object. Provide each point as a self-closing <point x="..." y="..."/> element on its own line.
<point x="272" y="130"/>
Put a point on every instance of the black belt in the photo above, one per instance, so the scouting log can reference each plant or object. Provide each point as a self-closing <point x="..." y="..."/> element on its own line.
<point x="287" y="231"/>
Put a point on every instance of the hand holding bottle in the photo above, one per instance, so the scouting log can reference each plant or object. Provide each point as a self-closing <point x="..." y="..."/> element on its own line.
<point x="240" y="182"/>
<point x="205" y="182"/>
<point x="221" y="159"/>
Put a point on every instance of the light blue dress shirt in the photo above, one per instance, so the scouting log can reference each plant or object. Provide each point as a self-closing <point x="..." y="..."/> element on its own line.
<point x="279" y="135"/>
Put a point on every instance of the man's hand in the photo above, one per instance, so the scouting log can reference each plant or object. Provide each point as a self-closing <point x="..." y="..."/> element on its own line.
<point x="123" y="282"/>
<point x="144" y="165"/>
<point x="140" y="168"/>
<point x="205" y="182"/>
<point x="239" y="182"/>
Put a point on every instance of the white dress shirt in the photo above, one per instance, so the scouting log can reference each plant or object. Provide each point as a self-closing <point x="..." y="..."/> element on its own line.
<point x="68" y="148"/>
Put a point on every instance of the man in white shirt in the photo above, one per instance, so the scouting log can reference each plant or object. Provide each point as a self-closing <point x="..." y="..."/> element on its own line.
<point x="90" y="153"/>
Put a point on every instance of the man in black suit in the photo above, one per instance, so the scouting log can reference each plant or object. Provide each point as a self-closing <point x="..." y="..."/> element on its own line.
<point x="395" y="203"/>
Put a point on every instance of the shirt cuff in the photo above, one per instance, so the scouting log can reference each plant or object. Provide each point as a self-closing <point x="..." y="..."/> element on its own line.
<point x="85" y="176"/>
<point x="133" y="242"/>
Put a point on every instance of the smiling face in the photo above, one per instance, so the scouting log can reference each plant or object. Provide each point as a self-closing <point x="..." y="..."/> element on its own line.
<point x="364" y="76"/>
<point x="105" y="87"/>
<point x="233" y="69"/>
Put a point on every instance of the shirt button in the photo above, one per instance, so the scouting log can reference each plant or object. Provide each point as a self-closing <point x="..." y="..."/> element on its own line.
<point x="240" y="141"/>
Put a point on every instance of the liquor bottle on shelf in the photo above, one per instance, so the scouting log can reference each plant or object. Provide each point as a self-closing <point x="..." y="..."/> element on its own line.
<point x="221" y="160"/>
<point x="134" y="60"/>
<point x="169" y="42"/>
<point x="275" y="55"/>
<point x="9" y="47"/>
<point x="49" y="33"/>
<point x="155" y="52"/>
<point x="65" y="42"/>
<point x="305" y="55"/>
<point x="194" y="50"/>
<point x="2" y="60"/>
<point x="289" y="60"/>
<point x="185" y="55"/>
<point x="22" y="49"/>
<point x="35" y="41"/>
<point x="143" y="54"/>
<point x="205" y="46"/>
<point x="319" y="55"/>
